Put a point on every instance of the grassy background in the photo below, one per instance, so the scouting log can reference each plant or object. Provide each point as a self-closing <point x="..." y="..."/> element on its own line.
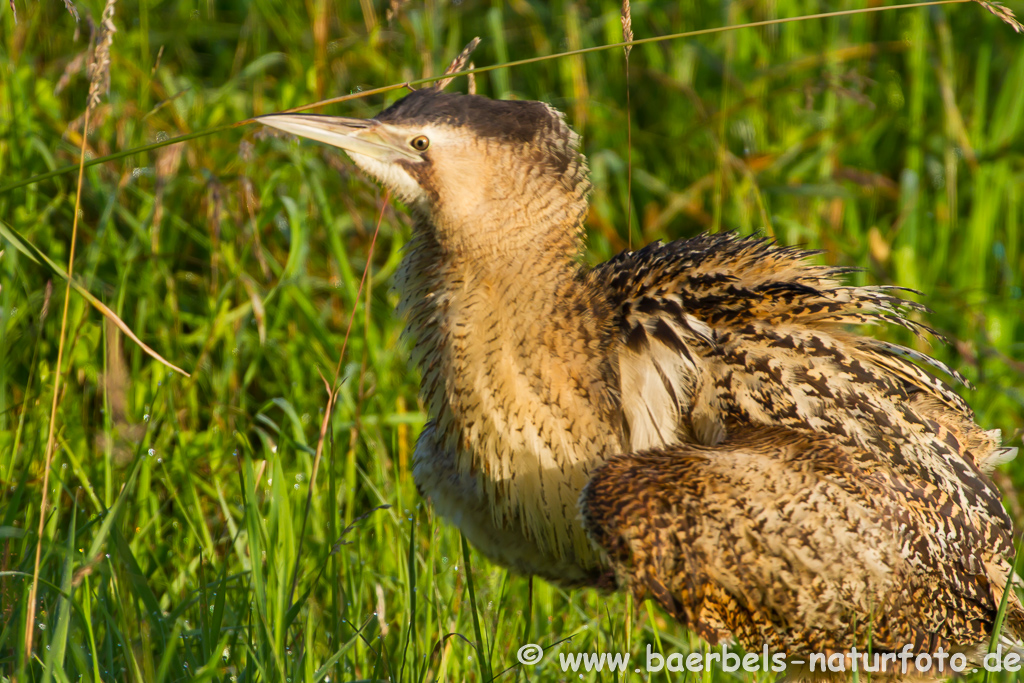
<point x="178" y="543"/>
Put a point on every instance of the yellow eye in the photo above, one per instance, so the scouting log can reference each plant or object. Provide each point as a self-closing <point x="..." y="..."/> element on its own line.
<point x="420" y="143"/>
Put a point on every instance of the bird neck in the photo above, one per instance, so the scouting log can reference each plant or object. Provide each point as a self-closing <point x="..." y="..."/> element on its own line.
<point x="506" y="213"/>
<point x="502" y="266"/>
<point x="516" y="380"/>
<point x="526" y="313"/>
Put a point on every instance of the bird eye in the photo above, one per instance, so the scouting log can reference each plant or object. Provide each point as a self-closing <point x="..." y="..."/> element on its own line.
<point x="420" y="143"/>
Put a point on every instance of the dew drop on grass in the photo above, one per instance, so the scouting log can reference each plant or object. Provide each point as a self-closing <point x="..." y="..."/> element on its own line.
<point x="145" y="418"/>
<point x="152" y="452"/>
<point x="444" y="560"/>
<point x="42" y="626"/>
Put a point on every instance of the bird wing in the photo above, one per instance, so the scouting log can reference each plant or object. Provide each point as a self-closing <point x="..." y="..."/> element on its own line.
<point x="720" y="332"/>
<point x="788" y="539"/>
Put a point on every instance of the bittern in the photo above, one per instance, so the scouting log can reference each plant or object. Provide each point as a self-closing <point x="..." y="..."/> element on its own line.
<point x="696" y="421"/>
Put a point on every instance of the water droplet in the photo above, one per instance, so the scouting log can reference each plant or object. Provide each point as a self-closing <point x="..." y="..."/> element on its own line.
<point x="145" y="418"/>
<point x="152" y="452"/>
<point x="42" y="626"/>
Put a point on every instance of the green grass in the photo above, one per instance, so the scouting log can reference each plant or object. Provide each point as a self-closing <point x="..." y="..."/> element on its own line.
<point x="178" y="506"/>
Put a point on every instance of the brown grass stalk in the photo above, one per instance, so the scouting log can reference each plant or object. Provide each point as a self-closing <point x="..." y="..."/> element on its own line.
<point x="332" y="391"/>
<point x="627" y="36"/>
<point x="99" y="74"/>
<point x="31" y="616"/>
<point x="1005" y="14"/>
<point x="478" y="70"/>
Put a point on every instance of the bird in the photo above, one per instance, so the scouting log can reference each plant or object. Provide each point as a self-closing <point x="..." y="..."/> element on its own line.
<point x="703" y="422"/>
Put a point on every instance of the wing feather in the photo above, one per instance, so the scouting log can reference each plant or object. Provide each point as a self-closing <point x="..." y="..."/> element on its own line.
<point x="722" y="332"/>
<point x="781" y="538"/>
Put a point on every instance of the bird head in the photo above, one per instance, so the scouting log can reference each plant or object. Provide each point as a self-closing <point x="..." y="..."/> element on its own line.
<point x="473" y="166"/>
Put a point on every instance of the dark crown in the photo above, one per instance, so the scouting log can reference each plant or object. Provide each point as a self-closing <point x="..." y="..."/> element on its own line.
<point x="509" y="120"/>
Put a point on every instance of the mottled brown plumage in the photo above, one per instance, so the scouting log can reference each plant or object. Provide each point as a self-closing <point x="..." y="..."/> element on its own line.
<point x="697" y="421"/>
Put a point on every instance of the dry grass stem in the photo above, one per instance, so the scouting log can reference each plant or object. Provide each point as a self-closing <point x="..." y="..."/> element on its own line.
<point x="627" y="27"/>
<point x="458" y="64"/>
<point x="394" y="9"/>
<point x="1004" y="13"/>
<point x="627" y="36"/>
<point x="33" y="590"/>
<point x="99" y="73"/>
<point x="99" y="69"/>
<point x="69" y="5"/>
<point x="507" y="65"/>
<point x="332" y="389"/>
<point x="73" y="67"/>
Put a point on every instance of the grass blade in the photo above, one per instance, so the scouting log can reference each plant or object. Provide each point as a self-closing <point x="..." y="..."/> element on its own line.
<point x="483" y="663"/>
<point x="37" y="256"/>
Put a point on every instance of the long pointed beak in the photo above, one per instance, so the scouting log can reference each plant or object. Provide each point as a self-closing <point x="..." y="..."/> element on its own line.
<point x="357" y="136"/>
